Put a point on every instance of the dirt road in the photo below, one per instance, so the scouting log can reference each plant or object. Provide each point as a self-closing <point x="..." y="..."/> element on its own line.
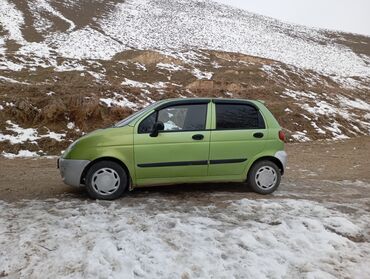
<point x="316" y="164"/>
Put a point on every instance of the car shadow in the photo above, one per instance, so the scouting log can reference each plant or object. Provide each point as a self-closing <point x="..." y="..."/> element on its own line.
<point x="177" y="191"/>
<point x="195" y="188"/>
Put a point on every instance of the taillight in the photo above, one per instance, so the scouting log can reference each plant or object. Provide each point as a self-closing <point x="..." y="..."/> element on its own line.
<point x="282" y="136"/>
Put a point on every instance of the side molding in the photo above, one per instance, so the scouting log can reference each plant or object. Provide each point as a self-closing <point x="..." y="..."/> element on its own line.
<point x="227" y="161"/>
<point x="191" y="163"/>
<point x="173" y="164"/>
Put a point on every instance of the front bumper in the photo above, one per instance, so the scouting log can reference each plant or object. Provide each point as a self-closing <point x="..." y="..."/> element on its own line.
<point x="71" y="170"/>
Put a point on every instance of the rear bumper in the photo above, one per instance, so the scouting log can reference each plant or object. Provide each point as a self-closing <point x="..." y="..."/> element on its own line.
<point x="71" y="170"/>
<point x="282" y="156"/>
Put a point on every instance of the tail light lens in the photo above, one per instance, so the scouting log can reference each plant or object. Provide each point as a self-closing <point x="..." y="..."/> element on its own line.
<point x="282" y="136"/>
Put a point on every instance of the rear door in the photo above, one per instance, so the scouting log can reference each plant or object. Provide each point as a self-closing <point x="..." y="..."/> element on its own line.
<point x="180" y="151"/>
<point x="238" y="136"/>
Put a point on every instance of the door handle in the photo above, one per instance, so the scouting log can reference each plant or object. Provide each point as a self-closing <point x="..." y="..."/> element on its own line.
<point x="198" y="137"/>
<point x="258" y="135"/>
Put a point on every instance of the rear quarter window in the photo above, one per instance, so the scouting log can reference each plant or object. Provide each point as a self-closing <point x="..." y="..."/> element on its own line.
<point x="238" y="117"/>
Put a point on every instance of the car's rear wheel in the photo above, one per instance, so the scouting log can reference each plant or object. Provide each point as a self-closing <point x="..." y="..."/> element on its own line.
<point x="106" y="180"/>
<point x="264" y="177"/>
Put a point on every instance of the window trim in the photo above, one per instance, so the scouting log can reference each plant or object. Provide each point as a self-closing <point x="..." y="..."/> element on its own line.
<point x="182" y="103"/>
<point x="235" y="102"/>
<point x="238" y="102"/>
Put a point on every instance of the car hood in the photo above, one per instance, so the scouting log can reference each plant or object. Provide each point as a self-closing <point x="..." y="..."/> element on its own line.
<point x="100" y="138"/>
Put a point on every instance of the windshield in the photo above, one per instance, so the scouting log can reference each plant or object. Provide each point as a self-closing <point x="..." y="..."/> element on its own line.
<point x="134" y="116"/>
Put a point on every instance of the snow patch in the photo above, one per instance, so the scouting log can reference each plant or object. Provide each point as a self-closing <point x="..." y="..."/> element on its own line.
<point x="9" y="65"/>
<point x="35" y="49"/>
<point x="40" y="23"/>
<point x="140" y="66"/>
<point x="331" y="108"/>
<point x="356" y="103"/>
<point x="351" y="83"/>
<point x="71" y="125"/>
<point x="53" y="135"/>
<point x="2" y="46"/>
<point x="201" y="74"/>
<point x="10" y="80"/>
<point x="300" y="136"/>
<point x="317" y="128"/>
<point x="20" y="154"/>
<point x="336" y="131"/>
<point x="321" y="108"/>
<point x="139" y="84"/>
<point x="169" y="238"/>
<point x="11" y="19"/>
<point x="43" y="5"/>
<point x="170" y="67"/>
<point x="298" y="95"/>
<point x="118" y="100"/>
<point x="86" y="43"/>
<point x="20" y="135"/>
<point x="98" y="76"/>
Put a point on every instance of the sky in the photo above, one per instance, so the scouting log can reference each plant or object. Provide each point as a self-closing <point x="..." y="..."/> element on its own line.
<point x="344" y="15"/>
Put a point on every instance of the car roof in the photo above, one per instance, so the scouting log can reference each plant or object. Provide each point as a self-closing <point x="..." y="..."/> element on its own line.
<point x="201" y="98"/>
<point x="181" y="101"/>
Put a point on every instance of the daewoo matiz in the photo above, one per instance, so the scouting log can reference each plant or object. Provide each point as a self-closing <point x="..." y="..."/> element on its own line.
<point x="180" y="141"/>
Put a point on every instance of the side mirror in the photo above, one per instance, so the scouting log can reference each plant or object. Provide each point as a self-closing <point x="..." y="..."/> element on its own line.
<point x="157" y="127"/>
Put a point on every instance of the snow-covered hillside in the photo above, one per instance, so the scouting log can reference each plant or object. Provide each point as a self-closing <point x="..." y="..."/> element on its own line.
<point x="168" y="26"/>
<point x="68" y="67"/>
<point x="180" y="24"/>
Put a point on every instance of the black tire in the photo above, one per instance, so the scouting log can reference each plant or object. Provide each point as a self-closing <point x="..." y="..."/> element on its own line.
<point x="115" y="170"/>
<point x="253" y="177"/>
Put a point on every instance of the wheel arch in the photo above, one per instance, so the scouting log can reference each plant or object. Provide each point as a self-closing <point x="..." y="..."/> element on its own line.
<point x="106" y="158"/>
<point x="268" y="158"/>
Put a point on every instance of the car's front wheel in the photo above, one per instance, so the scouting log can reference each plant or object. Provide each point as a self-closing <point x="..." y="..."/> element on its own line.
<point x="264" y="177"/>
<point x="106" y="180"/>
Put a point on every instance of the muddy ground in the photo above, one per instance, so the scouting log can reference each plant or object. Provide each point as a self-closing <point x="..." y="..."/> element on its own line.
<point x="314" y="171"/>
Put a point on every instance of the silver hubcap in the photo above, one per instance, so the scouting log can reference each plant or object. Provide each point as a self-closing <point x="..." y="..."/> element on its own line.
<point x="266" y="178"/>
<point x="105" y="181"/>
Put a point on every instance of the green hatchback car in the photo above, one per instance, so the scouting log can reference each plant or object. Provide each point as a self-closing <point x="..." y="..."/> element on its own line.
<point x="180" y="141"/>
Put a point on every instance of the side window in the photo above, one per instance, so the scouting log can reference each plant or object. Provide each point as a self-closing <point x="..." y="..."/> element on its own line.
<point x="184" y="117"/>
<point x="177" y="118"/>
<point x="146" y="125"/>
<point x="238" y="117"/>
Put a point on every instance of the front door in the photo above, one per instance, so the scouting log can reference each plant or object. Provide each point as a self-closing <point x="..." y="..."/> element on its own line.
<point x="180" y="151"/>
